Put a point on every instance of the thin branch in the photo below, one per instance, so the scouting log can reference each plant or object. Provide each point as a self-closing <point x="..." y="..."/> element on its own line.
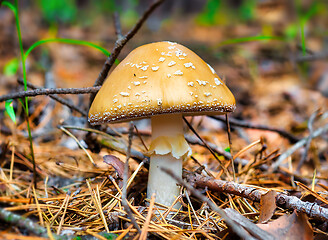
<point x="120" y="43"/>
<point x="216" y="149"/>
<point x="312" y="57"/>
<point x="296" y="146"/>
<point x="206" y="145"/>
<point x="236" y="228"/>
<point x="248" y="225"/>
<point x="309" y="139"/>
<point x="117" y="25"/>
<point x="48" y="91"/>
<point x="125" y="180"/>
<point x="313" y="210"/>
<point x="56" y="98"/>
<point x="33" y="228"/>
<point x="244" y="124"/>
<point x="230" y="147"/>
<point x="22" y="222"/>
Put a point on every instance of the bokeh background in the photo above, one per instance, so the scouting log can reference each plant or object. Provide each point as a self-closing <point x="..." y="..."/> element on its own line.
<point x="260" y="48"/>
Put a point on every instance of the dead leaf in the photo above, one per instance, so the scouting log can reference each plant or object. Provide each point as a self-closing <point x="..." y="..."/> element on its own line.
<point x="116" y="163"/>
<point x="267" y="206"/>
<point x="293" y="227"/>
<point x="251" y="228"/>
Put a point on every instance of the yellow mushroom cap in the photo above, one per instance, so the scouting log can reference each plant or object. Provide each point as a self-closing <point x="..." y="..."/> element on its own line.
<point x="160" y="78"/>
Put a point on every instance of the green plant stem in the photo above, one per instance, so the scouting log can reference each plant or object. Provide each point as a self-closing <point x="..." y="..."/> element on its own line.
<point x="14" y="9"/>
<point x="303" y="38"/>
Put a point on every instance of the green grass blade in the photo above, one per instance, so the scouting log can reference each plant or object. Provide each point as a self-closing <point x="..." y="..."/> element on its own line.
<point x="249" y="39"/>
<point x="10" y="110"/>
<point x="68" y="41"/>
<point x="14" y="9"/>
<point x="11" y="67"/>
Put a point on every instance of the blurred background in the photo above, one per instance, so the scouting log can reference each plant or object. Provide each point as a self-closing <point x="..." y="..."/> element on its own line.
<point x="272" y="54"/>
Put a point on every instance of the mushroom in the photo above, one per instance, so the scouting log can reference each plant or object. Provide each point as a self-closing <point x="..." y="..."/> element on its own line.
<point x="163" y="81"/>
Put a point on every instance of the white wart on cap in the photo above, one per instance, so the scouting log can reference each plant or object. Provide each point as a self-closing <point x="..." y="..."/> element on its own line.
<point x="160" y="78"/>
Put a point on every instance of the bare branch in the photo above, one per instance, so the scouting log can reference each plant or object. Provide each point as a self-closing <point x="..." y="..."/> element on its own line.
<point x="120" y="43"/>
<point x="234" y="226"/>
<point x="22" y="222"/>
<point x="312" y="57"/>
<point x="244" y="124"/>
<point x="117" y="25"/>
<point x="207" y="146"/>
<point x="48" y="91"/>
<point x="313" y="210"/>
<point x="56" y="98"/>
<point x="298" y="145"/>
<point x="125" y="180"/>
<point x="309" y="139"/>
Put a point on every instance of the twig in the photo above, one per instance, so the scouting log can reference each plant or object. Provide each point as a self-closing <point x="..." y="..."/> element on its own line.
<point x="313" y="210"/>
<point x="48" y="91"/>
<point x="34" y="228"/>
<point x="117" y="25"/>
<point x="120" y="43"/>
<point x="230" y="148"/>
<point x="296" y="146"/>
<point x="22" y="222"/>
<point x="308" y="141"/>
<point x="125" y="180"/>
<point x="139" y="135"/>
<point x="143" y="235"/>
<point x="206" y="145"/>
<point x="244" y="124"/>
<point x="251" y="227"/>
<point x="201" y="167"/>
<point x="78" y="143"/>
<point x="67" y="198"/>
<point x="216" y="149"/>
<point x="234" y="226"/>
<point x="56" y="98"/>
<point x="313" y="57"/>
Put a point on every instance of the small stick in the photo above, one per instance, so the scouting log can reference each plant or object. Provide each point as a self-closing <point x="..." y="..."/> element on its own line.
<point x="57" y="214"/>
<point x="120" y="43"/>
<point x="234" y="226"/>
<point x="56" y="98"/>
<point x="296" y="146"/>
<point x="143" y="235"/>
<point x="230" y="149"/>
<point x="12" y="163"/>
<point x="125" y="179"/>
<point x="37" y="206"/>
<point x="78" y="143"/>
<point x="202" y="166"/>
<point x="48" y="91"/>
<point x="117" y="25"/>
<point x="63" y="217"/>
<point x="139" y="135"/>
<point x="244" y="124"/>
<point x="309" y="139"/>
<point x="206" y="145"/>
<point x="312" y="57"/>
<point x="313" y="210"/>
<point x="22" y="222"/>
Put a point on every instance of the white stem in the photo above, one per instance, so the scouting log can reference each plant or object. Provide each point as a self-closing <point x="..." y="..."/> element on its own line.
<point x="163" y="185"/>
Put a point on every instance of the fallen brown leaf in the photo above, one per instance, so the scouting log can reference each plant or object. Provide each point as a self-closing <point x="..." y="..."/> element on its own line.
<point x="116" y="163"/>
<point x="267" y="206"/>
<point x="293" y="227"/>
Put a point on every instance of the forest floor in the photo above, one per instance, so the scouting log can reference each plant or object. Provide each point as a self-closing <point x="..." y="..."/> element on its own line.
<point x="277" y="188"/>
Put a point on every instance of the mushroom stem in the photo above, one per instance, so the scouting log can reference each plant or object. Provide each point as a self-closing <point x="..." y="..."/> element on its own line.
<point x="169" y="150"/>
